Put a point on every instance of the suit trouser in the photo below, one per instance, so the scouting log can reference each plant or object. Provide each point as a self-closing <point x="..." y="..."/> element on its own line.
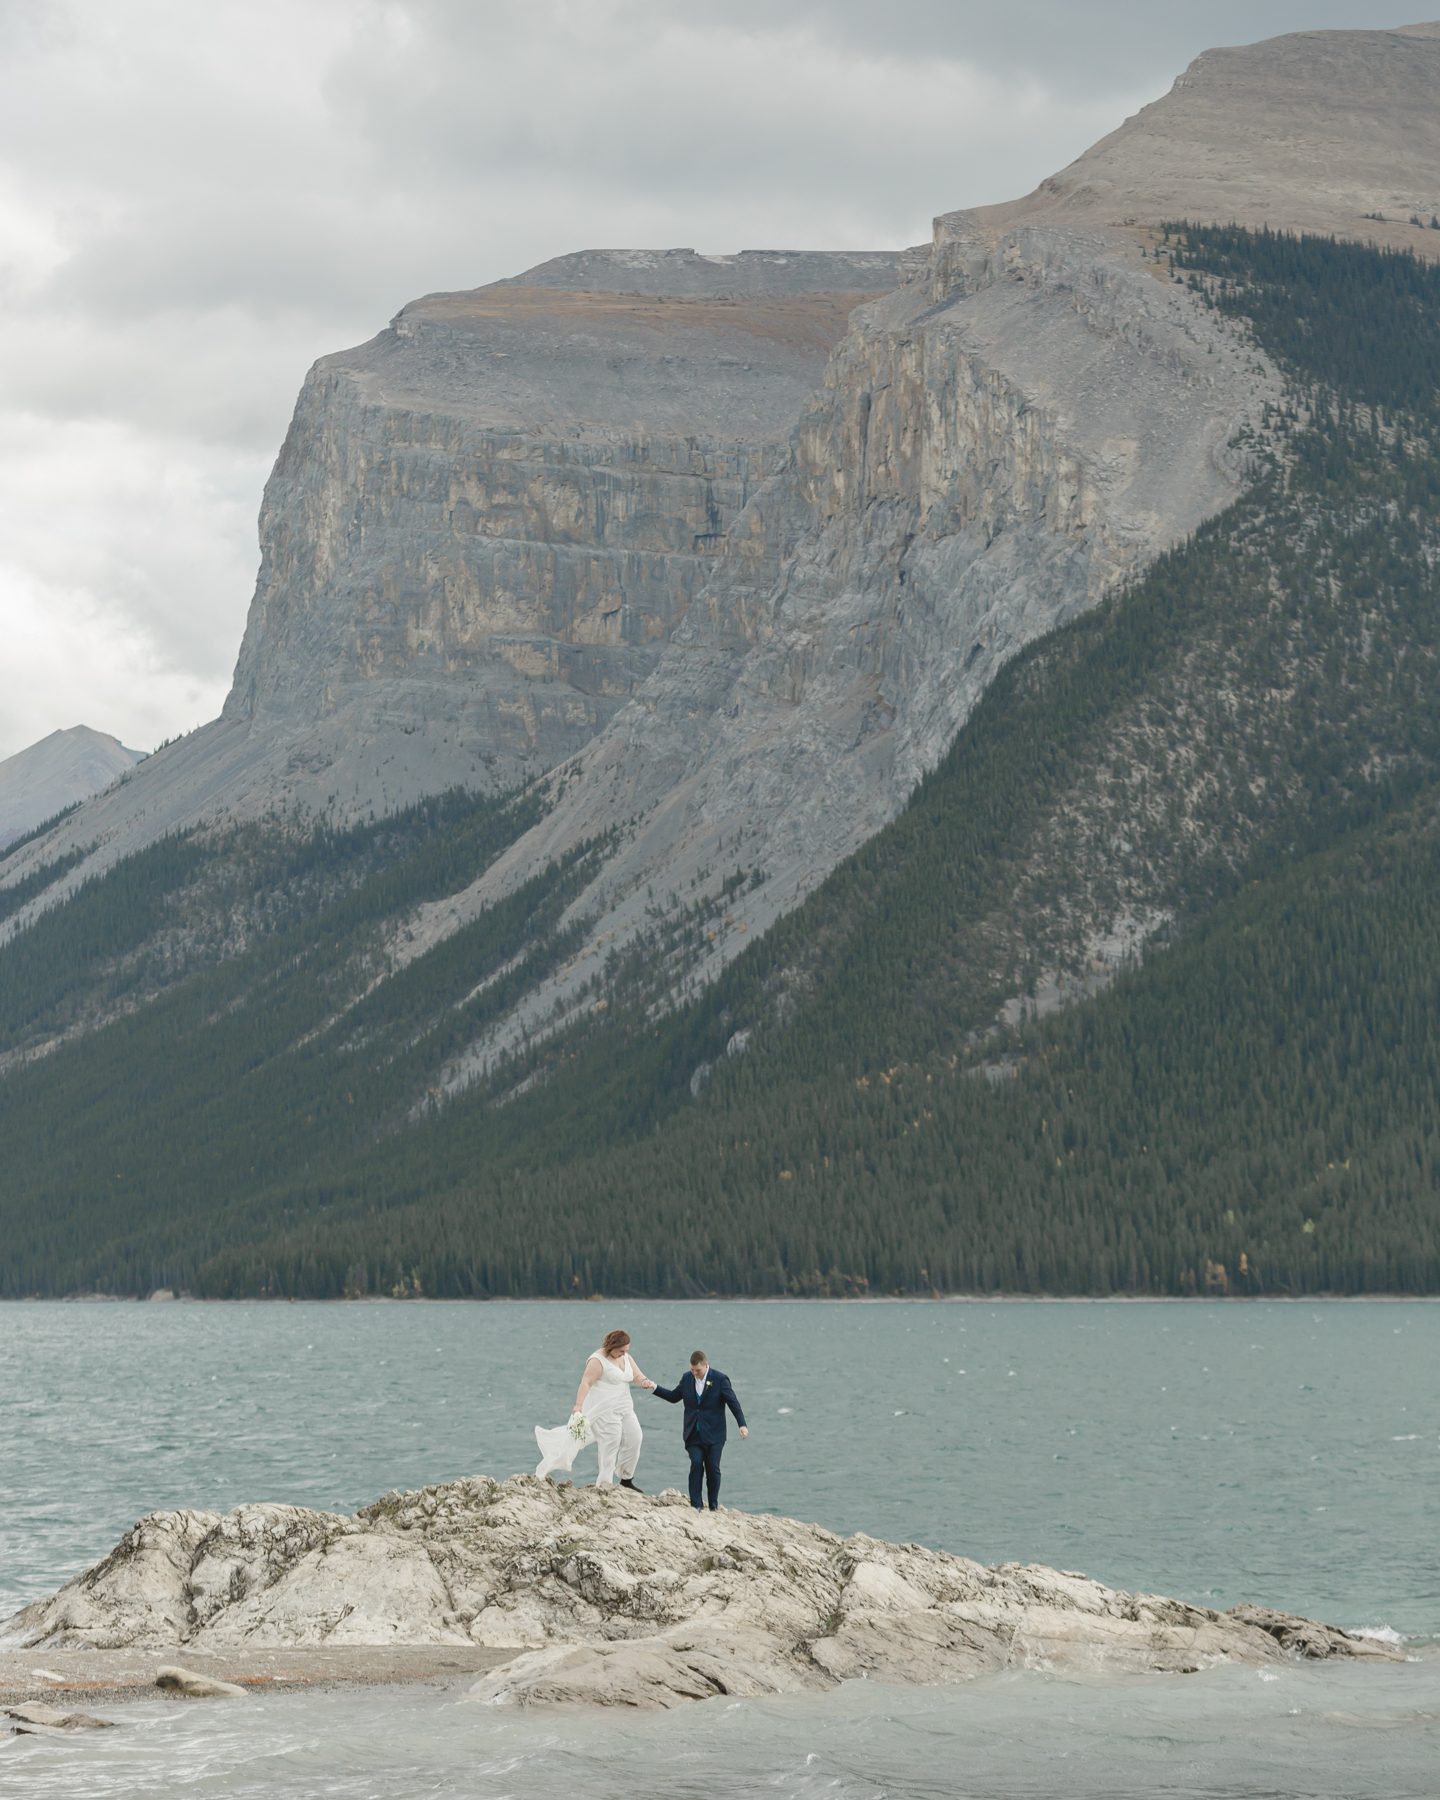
<point x="704" y="1467"/>
<point x="617" y="1437"/>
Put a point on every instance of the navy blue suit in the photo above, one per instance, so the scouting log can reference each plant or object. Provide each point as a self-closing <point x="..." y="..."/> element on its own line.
<point x="704" y="1428"/>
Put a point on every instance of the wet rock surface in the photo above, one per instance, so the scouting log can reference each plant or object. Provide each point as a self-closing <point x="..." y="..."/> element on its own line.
<point x="608" y="1597"/>
<point x="54" y="1718"/>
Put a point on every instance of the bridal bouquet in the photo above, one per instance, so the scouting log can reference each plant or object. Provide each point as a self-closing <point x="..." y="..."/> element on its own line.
<point x="579" y="1427"/>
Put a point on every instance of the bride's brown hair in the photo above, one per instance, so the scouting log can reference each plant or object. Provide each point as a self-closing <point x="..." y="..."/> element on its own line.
<point x="615" y="1340"/>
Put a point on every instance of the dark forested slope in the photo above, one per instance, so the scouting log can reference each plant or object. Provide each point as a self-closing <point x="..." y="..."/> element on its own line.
<point x="1238" y="757"/>
<point x="1256" y="1111"/>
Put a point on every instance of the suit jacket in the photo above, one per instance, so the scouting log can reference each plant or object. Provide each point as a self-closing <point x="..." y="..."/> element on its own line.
<point x="705" y="1416"/>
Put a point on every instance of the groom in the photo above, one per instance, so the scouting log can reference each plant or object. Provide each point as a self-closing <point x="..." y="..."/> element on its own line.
<point x="706" y="1393"/>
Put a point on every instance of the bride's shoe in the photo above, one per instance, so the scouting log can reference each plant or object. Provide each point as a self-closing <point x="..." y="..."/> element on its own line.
<point x="632" y="1487"/>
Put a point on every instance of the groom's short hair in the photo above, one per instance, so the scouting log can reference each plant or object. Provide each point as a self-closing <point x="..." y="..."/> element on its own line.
<point x="697" y="1357"/>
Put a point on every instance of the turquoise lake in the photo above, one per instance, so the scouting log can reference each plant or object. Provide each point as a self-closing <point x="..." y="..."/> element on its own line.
<point x="1285" y="1453"/>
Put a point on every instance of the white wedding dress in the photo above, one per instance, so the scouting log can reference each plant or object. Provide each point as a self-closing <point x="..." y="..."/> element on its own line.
<point x="610" y="1422"/>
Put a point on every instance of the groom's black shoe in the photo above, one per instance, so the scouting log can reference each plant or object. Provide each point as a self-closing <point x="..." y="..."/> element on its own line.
<point x="632" y="1487"/>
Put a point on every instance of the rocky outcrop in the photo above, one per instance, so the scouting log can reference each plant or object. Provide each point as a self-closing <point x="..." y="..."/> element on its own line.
<point x="482" y="528"/>
<point x="616" y="1598"/>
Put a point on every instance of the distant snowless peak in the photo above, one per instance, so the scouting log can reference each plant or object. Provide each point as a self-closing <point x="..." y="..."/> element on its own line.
<point x="60" y="770"/>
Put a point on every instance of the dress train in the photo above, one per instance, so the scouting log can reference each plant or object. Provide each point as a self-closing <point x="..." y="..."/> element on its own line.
<point x="559" y="1448"/>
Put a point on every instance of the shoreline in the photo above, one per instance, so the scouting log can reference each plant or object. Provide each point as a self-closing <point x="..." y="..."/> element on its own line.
<point x="119" y="1677"/>
<point x="116" y="1676"/>
<point x="1008" y="1299"/>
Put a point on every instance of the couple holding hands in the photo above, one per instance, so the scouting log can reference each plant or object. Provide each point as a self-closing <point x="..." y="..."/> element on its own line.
<point x="604" y="1415"/>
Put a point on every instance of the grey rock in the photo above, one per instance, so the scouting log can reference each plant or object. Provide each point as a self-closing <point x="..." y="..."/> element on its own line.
<point x="483" y="526"/>
<point x="1298" y="1637"/>
<point x="1313" y="130"/>
<point x="511" y="559"/>
<point x="980" y="465"/>
<point x="38" y="782"/>
<point x="54" y="1718"/>
<point x="610" y="1597"/>
<point x="139" y="1587"/>
<point x="197" y="1687"/>
<point x="747" y="275"/>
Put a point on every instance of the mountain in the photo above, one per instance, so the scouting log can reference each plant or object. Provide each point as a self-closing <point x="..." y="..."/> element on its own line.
<point x="1118" y="540"/>
<point x="55" y="774"/>
<point x="484" y="523"/>
<point x="1332" y="132"/>
<point x="622" y="514"/>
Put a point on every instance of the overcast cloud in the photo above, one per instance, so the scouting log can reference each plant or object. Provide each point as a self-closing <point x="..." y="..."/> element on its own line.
<point x="196" y="201"/>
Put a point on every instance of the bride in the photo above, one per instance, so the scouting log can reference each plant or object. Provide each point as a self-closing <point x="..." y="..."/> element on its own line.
<point x="608" y="1420"/>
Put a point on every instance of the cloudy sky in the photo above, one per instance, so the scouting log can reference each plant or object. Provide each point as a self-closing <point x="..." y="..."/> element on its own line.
<point x="198" y="200"/>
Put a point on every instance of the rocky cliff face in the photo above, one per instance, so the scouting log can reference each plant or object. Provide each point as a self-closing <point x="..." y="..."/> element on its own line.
<point x="483" y="526"/>
<point x="486" y="523"/>
<point x="1030" y="417"/>
<point x="613" y="1598"/>
<point x="742" y="567"/>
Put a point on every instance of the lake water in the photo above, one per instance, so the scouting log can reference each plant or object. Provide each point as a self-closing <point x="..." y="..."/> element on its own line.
<point x="1280" y="1453"/>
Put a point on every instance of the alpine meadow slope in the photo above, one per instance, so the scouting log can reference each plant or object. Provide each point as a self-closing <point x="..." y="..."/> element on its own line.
<point x="1171" y="706"/>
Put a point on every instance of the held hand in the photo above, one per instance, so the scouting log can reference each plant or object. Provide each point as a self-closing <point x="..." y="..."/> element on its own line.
<point x="744" y="1431"/>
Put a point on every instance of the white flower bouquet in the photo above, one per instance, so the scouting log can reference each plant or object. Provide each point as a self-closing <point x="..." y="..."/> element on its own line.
<point x="579" y="1427"/>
